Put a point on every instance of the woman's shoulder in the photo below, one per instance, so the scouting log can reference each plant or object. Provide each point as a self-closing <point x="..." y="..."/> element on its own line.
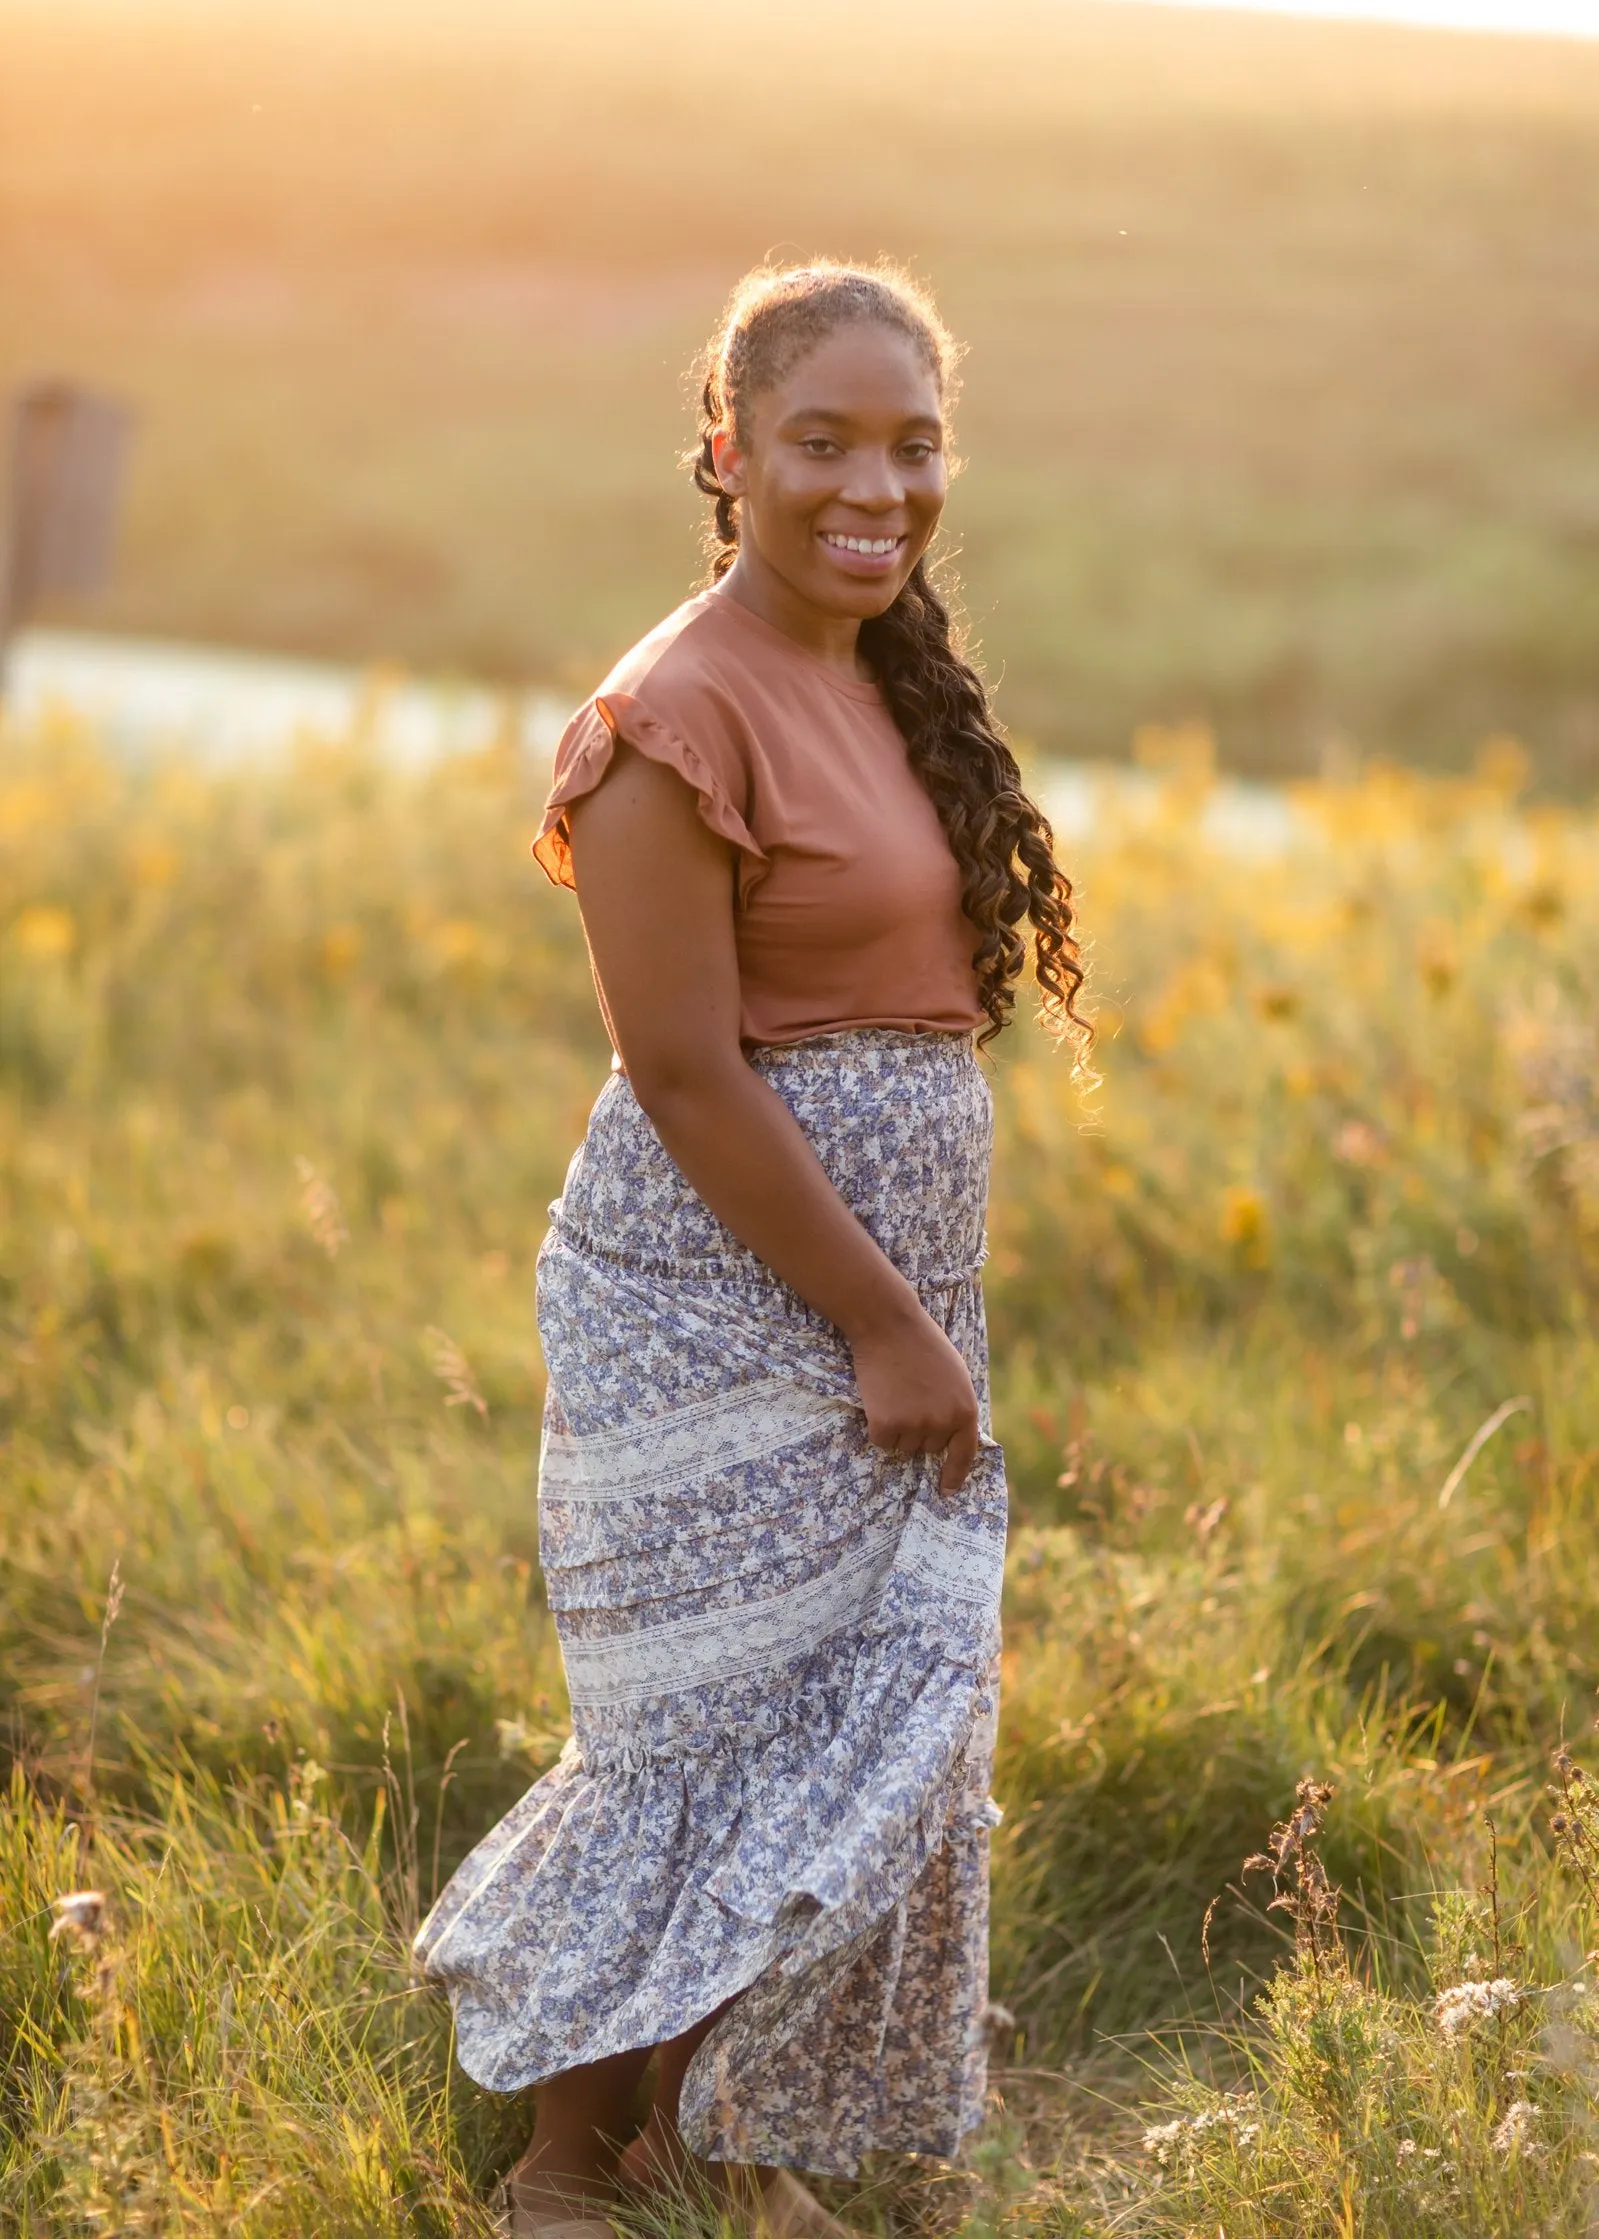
<point x="690" y="663"/>
<point x="674" y="698"/>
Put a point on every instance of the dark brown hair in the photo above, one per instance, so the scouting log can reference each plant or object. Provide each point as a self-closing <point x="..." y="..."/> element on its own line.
<point x="999" y="838"/>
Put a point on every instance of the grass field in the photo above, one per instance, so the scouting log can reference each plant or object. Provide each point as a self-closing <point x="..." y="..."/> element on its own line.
<point x="290" y="1065"/>
<point x="1284" y="336"/>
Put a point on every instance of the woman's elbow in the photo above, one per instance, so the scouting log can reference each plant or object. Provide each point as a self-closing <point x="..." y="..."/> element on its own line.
<point x="675" y="1084"/>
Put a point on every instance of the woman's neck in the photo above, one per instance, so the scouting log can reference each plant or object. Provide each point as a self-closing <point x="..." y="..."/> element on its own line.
<point x="833" y="638"/>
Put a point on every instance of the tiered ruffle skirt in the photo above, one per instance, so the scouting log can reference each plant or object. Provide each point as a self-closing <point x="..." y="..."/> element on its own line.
<point x="781" y="1647"/>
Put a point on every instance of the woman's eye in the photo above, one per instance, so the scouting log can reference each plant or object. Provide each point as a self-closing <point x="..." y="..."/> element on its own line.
<point x="917" y="453"/>
<point x="817" y="445"/>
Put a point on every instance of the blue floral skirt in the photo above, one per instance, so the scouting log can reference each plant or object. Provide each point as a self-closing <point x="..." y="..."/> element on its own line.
<point x="781" y="1647"/>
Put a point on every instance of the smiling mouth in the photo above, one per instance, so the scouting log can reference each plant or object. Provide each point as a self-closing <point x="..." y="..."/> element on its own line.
<point x="874" y="547"/>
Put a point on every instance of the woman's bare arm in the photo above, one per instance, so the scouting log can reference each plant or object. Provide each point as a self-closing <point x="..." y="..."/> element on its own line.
<point x="656" y="892"/>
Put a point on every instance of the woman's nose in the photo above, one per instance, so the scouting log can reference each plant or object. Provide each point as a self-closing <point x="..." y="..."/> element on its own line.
<point x="874" y="479"/>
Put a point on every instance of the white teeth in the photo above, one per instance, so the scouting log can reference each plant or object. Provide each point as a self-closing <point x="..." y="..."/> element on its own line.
<point x="875" y="544"/>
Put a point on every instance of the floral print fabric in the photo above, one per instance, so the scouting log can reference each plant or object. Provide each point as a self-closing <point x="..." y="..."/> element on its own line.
<point x="781" y="1647"/>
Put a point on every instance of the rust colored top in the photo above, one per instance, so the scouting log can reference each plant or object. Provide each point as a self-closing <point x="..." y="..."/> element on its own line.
<point x="847" y="897"/>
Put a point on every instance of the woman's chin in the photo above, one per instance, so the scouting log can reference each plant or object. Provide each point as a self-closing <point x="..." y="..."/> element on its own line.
<point x="858" y="598"/>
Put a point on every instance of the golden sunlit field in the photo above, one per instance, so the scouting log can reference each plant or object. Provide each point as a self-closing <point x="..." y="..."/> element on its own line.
<point x="1292" y="1323"/>
<point x="1279" y="422"/>
<point x="1284" y="336"/>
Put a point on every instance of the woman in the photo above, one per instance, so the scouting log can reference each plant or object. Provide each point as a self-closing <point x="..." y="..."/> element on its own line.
<point x="772" y="1518"/>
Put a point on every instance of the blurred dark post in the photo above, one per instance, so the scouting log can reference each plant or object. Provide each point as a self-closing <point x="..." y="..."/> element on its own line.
<point x="67" y="451"/>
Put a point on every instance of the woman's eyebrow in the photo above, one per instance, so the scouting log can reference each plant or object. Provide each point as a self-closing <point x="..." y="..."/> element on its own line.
<point x="847" y="419"/>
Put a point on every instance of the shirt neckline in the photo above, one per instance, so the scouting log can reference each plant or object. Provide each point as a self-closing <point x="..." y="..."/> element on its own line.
<point x="858" y="688"/>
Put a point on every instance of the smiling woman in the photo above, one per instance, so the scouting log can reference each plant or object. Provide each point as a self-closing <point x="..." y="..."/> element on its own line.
<point x="772" y="1514"/>
<point x="785" y="335"/>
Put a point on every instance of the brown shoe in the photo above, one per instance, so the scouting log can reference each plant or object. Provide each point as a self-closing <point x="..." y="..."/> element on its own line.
<point x="764" y="2204"/>
<point x="518" y="2221"/>
<point x="786" y="2209"/>
<point x="530" y="2223"/>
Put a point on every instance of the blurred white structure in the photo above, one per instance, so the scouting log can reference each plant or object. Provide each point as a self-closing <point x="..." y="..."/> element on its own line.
<point x="148" y="698"/>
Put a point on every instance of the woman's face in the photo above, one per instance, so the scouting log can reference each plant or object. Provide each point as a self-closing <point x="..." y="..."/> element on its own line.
<point x="842" y="472"/>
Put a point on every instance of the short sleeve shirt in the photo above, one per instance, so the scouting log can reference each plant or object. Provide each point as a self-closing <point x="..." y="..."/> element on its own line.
<point x="847" y="896"/>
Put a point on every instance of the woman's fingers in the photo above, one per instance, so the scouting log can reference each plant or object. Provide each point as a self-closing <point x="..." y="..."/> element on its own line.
<point x="904" y="1439"/>
<point x="958" y="1443"/>
<point x="959" y="1456"/>
<point x="918" y="1396"/>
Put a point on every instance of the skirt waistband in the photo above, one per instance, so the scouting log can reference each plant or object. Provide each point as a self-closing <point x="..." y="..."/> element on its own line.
<point x="901" y="1122"/>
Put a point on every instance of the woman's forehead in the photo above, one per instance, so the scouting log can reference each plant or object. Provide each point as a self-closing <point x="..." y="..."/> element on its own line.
<point x="863" y="370"/>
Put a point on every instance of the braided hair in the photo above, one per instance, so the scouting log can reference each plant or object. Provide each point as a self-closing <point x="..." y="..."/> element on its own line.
<point x="1000" y="839"/>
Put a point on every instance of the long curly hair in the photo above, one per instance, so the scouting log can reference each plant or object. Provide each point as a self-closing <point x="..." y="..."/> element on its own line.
<point x="1000" y="839"/>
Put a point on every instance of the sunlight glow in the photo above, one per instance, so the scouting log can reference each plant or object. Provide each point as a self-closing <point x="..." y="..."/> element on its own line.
<point x="1577" y="18"/>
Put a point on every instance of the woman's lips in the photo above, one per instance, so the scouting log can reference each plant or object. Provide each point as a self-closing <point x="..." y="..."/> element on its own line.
<point x="862" y="555"/>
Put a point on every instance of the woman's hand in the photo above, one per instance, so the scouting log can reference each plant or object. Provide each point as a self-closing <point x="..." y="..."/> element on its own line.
<point x="917" y="1392"/>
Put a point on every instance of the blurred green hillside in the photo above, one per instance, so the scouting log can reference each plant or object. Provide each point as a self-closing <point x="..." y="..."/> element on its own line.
<point x="1284" y="336"/>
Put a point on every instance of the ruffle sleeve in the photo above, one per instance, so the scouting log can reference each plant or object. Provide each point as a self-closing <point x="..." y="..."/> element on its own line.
<point x="584" y="755"/>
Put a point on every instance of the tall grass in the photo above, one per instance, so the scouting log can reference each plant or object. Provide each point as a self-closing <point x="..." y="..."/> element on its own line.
<point x="290" y="1065"/>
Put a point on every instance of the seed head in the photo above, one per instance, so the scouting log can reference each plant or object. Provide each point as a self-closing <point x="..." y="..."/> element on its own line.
<point x="1456" y="2009"/>
<point x="79" y="1914"/>
<point x="1517" y="2129"/>
<point x="454" y="1372"/>
<point x="319" y="1203"/>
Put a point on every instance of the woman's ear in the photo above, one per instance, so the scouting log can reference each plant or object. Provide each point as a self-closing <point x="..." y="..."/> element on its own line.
<point x="728" y="461"/>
